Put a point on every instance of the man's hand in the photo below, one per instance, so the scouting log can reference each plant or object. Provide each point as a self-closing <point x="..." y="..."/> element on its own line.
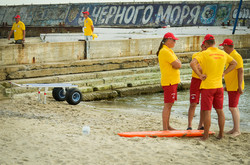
<point x="203" y="77"/>
<point x="223" y="75"/>
<point x="23" y="39"/>
<point x="8" y="38"/>
<point x="240" y="90"/>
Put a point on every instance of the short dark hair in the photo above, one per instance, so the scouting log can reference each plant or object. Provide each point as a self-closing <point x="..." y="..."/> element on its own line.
<point x="210" y="42"/>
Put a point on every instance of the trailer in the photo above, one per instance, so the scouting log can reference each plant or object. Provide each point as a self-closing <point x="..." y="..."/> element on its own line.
<point x="60" y="92"/>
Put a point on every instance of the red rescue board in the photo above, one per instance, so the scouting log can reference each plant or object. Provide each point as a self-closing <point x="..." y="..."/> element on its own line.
<point x="175" y="133"/>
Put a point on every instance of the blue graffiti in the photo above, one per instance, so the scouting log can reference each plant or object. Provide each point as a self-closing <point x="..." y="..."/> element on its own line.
<point x="208" y="14"/>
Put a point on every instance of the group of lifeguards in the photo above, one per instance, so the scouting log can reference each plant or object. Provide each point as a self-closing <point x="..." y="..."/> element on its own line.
<point x="208" y="67"/>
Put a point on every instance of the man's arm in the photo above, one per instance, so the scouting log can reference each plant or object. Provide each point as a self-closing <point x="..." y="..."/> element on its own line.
<point x="10" y="34"/>
<point x="24" y="32"/>
<point x="194" y="65"/>
<point x="240" y="79"/>
<point x="231" y="66"/>
<point x="92" y="28"/>
<point x="176" y="64"/>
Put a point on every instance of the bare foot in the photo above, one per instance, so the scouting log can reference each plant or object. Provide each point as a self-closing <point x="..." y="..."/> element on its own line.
<point x="203" y="138"/>
<point x="230" y="132"/>
<point x="219" y="137"/>
<point x="236" y="133"/>
<point x="170" y="128"/>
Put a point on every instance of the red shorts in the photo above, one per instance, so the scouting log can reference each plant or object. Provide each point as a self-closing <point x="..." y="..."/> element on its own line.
<point x="170" y="93"/>
<point x="195" y="90"/>
<point x="211" y="97"/>
<point x="233" y="98"/>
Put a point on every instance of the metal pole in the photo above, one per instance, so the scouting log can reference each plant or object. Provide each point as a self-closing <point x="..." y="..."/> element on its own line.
<point x="237" y="16"/>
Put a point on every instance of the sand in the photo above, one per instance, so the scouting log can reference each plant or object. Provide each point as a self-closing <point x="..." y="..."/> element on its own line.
<point x="33" y="133"/>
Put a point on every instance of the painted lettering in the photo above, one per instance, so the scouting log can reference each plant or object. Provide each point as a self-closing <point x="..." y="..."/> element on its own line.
<point x="129" y="14"/>
<point x="151" y="10"/>
<point x="120" y="15"/>
<point x="177" y="16"/>
<point x="136" y="13"/>
<point x="184" y="13"/>
<point x="95" y="14"/>
<point x="111" y="13"/>
<point x="161" y="17"/>
<point x="104" y="12"/>
<point x="194" y="15"/>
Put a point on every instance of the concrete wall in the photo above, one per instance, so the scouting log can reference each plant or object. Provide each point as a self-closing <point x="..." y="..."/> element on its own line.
<point x="137" y="14"/>
<point x="41" y="53"/>
<point x="137" y="47"/>
<point x="71" y="51"/>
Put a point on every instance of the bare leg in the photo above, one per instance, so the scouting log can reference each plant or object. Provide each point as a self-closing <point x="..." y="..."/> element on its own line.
<point x="166" y="116"/>
<point x="207" y="123"/>
<point x="236" y="119"/>
<point x="221" y="122"/>
<point x="191" y="112"/>
<point x="201" y="124"/>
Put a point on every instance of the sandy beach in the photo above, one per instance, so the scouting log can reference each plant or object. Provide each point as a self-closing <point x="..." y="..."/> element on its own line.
<point x="33" y="133"/>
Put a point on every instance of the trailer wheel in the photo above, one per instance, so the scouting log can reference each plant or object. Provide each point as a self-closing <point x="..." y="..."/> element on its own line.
<point x="58" y="94"/>
<point x="73" y="96"/>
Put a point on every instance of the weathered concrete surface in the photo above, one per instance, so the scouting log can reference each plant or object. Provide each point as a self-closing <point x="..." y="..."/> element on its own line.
<point x="52" y="69"/>
<point x="137" y="47"/>
<point x="41" y="53"/>
<point x="102" y="95"/>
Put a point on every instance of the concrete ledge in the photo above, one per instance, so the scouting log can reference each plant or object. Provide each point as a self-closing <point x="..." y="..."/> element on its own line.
<point x="102" y="95"/>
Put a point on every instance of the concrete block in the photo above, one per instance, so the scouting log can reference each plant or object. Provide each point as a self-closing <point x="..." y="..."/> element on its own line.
<point x="139" y="90"/>
<point x="3" y="76"/>
<point x="118" y="85"/>
<point x="102" y="87"/>
<point x="86" y="89"/>
<point x="114" y="73"/>
<point x="100" y="95"/>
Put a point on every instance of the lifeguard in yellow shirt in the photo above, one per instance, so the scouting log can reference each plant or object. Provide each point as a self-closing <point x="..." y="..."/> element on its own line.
<point x="195" y="94"/>
<point x="170" y="75"/>
<point x="88" y="30"/>
<point x="212" y="62"/>
<point x="19" y="31"/>
<point x="234" y="84"/>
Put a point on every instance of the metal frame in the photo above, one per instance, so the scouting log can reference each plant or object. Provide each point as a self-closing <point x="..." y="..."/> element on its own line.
<point x="45" y="86"/>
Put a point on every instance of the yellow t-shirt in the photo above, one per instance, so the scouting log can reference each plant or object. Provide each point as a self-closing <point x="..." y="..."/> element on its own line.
<point x="213" y="61"/>
<point x="231" y="79"/>
<point x="87" y="27"/>
<point x="18" y="30"/>
<point x="193" y="73"/>
<point x="169" y="75"/>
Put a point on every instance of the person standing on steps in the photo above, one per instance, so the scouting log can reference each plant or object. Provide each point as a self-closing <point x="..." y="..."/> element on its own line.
<point x="234" y="84"/>
<point x="88" y="31"/>
<point x="212" y="62"/>
<point x="19" y="31"/>
<point x="170" y="75"/>
<point x="195" y="94"/>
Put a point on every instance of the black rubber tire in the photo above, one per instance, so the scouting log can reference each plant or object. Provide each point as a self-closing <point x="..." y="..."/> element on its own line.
<point x="58" y="95"/>
<point x="73" y="96"/>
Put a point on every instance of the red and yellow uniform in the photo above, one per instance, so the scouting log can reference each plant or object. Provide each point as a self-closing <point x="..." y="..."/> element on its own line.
<point x="212" y="61"/>
<point x="195" y="85"/>
<point x="18" y="29"/>
<point x="231" y="79"/>
<point x="170" y="77"/>
<point x="87" y="27"/>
